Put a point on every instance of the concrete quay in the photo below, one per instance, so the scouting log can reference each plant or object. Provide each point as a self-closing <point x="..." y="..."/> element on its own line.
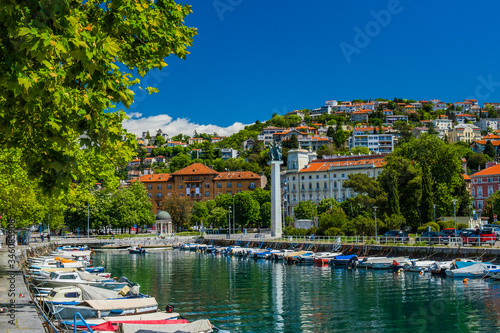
<point x="20" y="313"/>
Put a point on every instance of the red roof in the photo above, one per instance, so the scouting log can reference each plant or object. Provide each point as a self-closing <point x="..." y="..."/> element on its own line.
<point x="237" y="175"/>
<point x="195" y="169"/>
<point x="157" y="177"/>
<point x="324" y="165"/>
<point x="494" y="170"/>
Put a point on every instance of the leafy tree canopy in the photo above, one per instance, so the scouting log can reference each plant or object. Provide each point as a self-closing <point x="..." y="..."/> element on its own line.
<point x="66" y="64"/>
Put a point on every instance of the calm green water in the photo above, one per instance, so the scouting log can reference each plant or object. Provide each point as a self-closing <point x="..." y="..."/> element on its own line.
<point x="243" y="295"/>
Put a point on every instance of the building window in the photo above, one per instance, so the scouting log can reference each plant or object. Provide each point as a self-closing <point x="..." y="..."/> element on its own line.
<point x="325" y="185"/>
<point x="229" y="192"/>
<point x="293" y="178"/>
<point x="219" y="185"/>
<point x="302" y="177"/>
<point x="324" y="176"/>
<point x="252" y="185"/>
<point x="317" y="176"/>
<point x="159" y="186"/>
<point x="310" y="177"/>
<point x="310" y="186"/>
<point x="150" y="187"/>
<point x="158" y="195"/>
<point x="238" y="185"/>
<point x="490" y="190"/>
<point x="169" y="186"/>
<point x="207" y="185"/>
<point x="229" y="184"/>
<point x="480" y="191"/>
<point x="180" y="186"/>
<point x="293" y="187"/>
<point x="479" y="204"/>
<point x="317" y="185"/>
<point x="207" y="193"/>
<point x="150" y="195"/>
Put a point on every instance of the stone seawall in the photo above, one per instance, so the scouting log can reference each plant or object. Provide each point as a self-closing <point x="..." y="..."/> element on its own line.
<point x="430" y="252"/>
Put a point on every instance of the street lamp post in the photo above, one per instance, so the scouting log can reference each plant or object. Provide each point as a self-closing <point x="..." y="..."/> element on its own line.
<point x="455" y="214"/>
<point x="234" y="213"/>
<point x="284" y="205"/>
<point x="229" y="221"/>
<point x="88" y="219"/>
<point x="375" y="213"/>
<point x="434" y="212"/>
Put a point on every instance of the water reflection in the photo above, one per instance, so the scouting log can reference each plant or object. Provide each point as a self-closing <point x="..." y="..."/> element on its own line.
<point x="244" y="295"/>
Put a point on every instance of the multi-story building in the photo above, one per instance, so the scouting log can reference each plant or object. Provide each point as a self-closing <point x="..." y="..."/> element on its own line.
<point x="198" y="182"/>
<point x="267" y="134"/>
<point x="308" y="178"/>
<point x="442" y="124"/>
<point x="465" y="117"/>
<point x="368" y="137"/>
<point x="390" y="119"/>
<point x="485" y="123"/>
<point x="485" y="183"/>
<point x="464" y="133"/>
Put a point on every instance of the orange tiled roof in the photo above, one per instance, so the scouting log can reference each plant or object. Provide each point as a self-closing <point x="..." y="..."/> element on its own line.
<point x="490" y="136"/>
<point x="237" y="175"/>
<point x="195" y="169"/>
<point x="483" y="142"/>
<point x="466" y="177"/>
<point x="324" y="165"/>
<point x="494" y="170"/>
<point x="466" y="115"/>
<point x="157" y="177"/>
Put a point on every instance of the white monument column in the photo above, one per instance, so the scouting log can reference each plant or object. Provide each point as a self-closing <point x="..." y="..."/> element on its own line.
<point x="276" y="223"/>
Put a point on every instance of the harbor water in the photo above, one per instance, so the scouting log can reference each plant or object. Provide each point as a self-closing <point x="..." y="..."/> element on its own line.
<point x="245" y="295"/>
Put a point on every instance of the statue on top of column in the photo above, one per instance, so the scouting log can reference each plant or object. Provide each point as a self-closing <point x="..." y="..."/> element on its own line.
<point x="275" y="151"/>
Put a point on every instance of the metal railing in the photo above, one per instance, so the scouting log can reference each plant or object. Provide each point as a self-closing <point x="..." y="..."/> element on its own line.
<point x="448" y="241"/>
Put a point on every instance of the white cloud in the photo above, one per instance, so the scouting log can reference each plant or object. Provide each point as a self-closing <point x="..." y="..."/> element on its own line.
<point x="137" y="124"/>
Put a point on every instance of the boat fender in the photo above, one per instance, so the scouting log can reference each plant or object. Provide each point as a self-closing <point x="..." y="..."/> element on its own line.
<point x="421" y="273"/>
<point x="169" y="308"/>
<point x="465" y="280"/>
<point x="400" y="271"/>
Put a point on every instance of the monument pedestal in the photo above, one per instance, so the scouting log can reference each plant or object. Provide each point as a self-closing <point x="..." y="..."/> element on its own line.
<point x="276" y="222"/>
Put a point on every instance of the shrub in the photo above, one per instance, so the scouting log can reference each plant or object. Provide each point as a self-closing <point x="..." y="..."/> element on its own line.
<point x="460" y="226"/>
<point x="446" y="224"/>
<point x="434" y="227"/>
<point x="333" y="232"/>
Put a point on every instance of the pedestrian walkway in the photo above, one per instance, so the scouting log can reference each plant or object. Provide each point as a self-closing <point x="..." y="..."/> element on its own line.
<point x="20" y="314"/>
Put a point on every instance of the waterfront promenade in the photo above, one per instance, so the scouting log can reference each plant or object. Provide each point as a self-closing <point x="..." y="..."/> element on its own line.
<point x="21" y="314"/>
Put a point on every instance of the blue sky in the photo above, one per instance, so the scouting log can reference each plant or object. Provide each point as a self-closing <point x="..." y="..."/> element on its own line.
<point x="253" y="58"/>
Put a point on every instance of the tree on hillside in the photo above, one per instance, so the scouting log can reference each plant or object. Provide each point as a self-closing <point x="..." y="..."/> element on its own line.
<point x="489" y="149"/>
<point x="476" y="161"/>
<point x="340" y="136"/>
<point x="179" y="162"/>
<point x="179" y="209"/>
<point x="325" y="204"/>
<point x="65" y="65"/>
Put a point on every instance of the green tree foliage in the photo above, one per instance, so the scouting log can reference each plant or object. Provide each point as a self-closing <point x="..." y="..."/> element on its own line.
<point x="360" y="150"/>
<point x="224" y="201"/>
<point x="394" y="222"/>
<point x="265" y="215"/>
<point x="247" y="209"/>
<point x="476" y="161"/>
<point x="179" y="209"/>
<point x="64" y="67"/>
<point x="409" y="186"/>
<point x="292" y="143"/>
<point x="234" y="164"/>
<point x="261" y="196"/>
<point x="364" y="225"/>
<point x="305" y="210"/>
<point x="335" y="222"/>
<point x="489" y="149"/>
<point x="427" y="202"/>
<point x="326" y="204"/>
<point x="200" y="213"/>
<point x="179" y="162"/>
<point x="218" y="218"/>
<point x="340" y="136"/>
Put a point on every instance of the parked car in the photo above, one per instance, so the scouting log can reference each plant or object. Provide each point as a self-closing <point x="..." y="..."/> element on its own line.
<point x="450" y="232"/>
<point x="494" y="230"/>
<point x="483" y="237"/>
<point x="434" y="237"/>
<point x="395" y="236"/>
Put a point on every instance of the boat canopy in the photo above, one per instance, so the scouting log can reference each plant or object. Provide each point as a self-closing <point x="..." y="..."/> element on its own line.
<point x="91" y="277"/>
<point x="198" y="326"/>
<point x="120" y="304"/>
<point x="96" y="293"/>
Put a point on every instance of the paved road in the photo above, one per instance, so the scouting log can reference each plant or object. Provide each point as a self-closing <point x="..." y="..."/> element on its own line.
<point x="22" y="317"/>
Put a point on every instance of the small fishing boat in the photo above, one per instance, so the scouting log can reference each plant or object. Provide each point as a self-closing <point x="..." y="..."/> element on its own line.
<point x="440" y="267"/>
<point x="477" y="270"/>
<point x="139" y="250"/>
<point x="418" y="266"/>
<point x="105" y="308"/>
<point x="281" y="254"/>
<point x="382" y="262"/>
<point x="341" y="260"/>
